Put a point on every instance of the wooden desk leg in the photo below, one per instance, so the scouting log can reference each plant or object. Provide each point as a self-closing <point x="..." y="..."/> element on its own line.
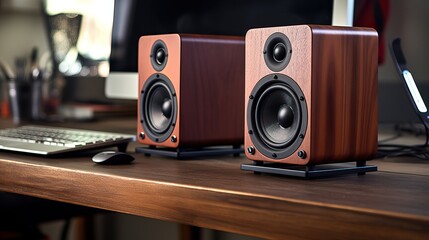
<point x="84" y="227"/>
<point x="189" y="232"/>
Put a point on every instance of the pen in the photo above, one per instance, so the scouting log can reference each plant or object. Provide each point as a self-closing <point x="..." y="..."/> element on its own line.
<point x="36" y="86"/>
<point x="7" y="71"/>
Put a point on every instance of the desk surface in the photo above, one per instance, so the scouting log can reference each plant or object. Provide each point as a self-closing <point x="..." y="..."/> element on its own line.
<point x="214" y="193"/>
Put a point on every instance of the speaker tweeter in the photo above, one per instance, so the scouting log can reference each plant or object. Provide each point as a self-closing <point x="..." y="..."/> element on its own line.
<point x="277" y="52"/>
<point x="159" y="55"/>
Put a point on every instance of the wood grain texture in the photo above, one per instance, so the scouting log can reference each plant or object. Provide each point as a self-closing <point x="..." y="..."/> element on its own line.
<point x="214" y="193"/>
<point x="345" y="116"/>
<point x="207" y="73"/>
<point x="212" y="85"/>
<point x="336" y="69"/>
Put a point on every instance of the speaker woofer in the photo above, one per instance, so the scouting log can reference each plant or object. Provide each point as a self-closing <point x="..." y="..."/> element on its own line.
<point x="277" y="116"/>
<point x="277" y="52"/>
<point x="158" y="107"/>
<point x="159" y="55"/>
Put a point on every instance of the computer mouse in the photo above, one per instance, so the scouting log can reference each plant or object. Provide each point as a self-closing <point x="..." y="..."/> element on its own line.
<point x="112" y="158"/>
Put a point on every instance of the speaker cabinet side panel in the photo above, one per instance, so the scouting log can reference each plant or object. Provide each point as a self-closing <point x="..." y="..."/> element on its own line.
<point x="171" y="71"/>
<point x="298" y="69"/>
<point x="212" y="85"/>
<point x="344" y="113"/>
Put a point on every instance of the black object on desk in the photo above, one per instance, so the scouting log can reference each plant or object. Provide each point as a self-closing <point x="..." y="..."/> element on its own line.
<point x="24" y="88"/>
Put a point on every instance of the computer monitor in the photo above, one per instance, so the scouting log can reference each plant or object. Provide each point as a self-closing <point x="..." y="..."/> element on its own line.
<point x="134" y="18"/>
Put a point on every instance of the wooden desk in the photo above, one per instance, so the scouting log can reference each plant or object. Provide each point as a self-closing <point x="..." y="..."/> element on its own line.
<point x="392" y="203"/>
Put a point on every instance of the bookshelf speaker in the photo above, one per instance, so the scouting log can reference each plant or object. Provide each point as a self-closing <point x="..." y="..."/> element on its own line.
<point x="311" y="94"/>
<point x="191" y="90"/>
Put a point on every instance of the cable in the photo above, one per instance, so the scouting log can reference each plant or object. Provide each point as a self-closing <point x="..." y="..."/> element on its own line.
<point x="396" y="136"/>
<point x="397" y="150"/>
<point x="427" y="135"/>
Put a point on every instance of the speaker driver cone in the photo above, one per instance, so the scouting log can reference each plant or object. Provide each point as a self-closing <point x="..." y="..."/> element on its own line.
<point x="158" y="107"/>
<point x="277" y="116"/>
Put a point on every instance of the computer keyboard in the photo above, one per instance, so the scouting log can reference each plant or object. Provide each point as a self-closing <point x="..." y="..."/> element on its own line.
<point x="53" y="140"/>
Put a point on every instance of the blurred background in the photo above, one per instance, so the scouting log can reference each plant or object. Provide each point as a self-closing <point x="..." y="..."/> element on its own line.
<point x="76" y="44"/>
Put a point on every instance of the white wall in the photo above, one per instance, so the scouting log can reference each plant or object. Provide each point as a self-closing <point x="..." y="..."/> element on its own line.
<point x="21" y="29"/>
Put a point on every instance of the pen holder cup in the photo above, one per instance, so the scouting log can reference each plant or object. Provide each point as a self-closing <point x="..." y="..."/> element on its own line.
<point x="25" y="101"/>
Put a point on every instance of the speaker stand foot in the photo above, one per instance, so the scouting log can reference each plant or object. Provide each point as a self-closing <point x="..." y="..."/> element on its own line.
<point x="310" y="171"/>
<point x="257" y="163"/>
<point x="147" y="153"/>
<point x="361" y="164"/>
<point x="238" y="152"/>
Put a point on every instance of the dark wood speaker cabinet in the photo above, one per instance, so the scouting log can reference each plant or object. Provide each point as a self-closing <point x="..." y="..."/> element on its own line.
<point x="336" y="70"/>
<point x="207" y="78"/>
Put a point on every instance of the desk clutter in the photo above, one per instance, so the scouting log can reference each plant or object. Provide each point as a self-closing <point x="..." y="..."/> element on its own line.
<point x="28" y="92"/>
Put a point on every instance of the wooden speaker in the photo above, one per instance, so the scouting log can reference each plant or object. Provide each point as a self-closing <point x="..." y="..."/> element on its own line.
<point x="311" y="94"/>
<point x="191" y="90"/>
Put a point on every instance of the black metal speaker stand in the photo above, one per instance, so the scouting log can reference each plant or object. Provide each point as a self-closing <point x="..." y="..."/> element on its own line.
<point x="182" y="153"/>
<point x="310" y="171"/>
